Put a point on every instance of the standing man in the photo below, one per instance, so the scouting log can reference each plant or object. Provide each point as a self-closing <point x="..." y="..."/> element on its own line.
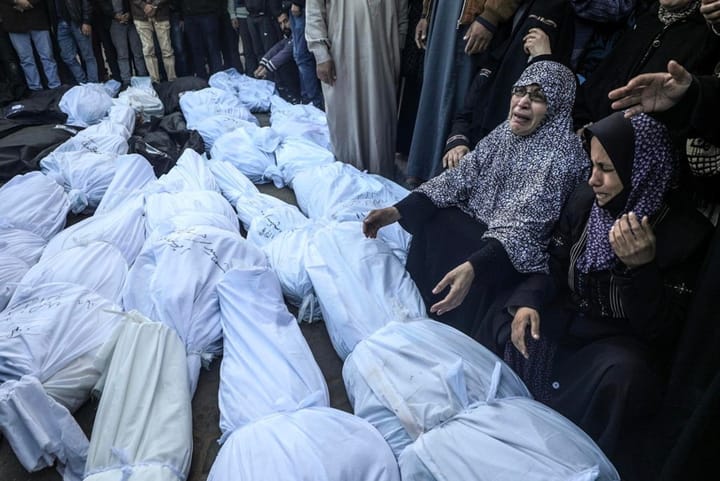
<point x="74" y="19"/>
<point x="154" y="16"/>
<point x="357" y="49"/>
<point x="28" y="25"/>
<point x="127" y="42"/>
<point x="310" y="89"/>
<point x="262" y="27"/>
<point x="202" y="27"/>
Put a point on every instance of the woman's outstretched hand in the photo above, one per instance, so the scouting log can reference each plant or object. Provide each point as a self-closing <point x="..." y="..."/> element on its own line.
<point x="378" y="218"/>
<point x="459" y="279"/>
<point x="523" y="317"/>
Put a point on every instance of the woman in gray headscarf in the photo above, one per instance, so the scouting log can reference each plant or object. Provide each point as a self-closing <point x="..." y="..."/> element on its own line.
<point x="487" y="223"/>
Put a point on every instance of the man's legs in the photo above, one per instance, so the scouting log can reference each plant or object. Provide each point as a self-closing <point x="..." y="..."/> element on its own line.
<point x="68" y="51"/>
<point x="162" y="29"/>
<point x="178" y="44"/>
<point x="84" y="44"/>
<point x="43" y="45"/>
<point x="145" y="31"/>
<point x="119" y="33"/>
<point x="22" y="43"/>
<point x="136" y="49"/>
<point x="309" y="83"/>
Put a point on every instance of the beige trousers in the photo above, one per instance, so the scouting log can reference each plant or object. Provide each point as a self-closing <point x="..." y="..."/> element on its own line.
<point x="162" y="30"/>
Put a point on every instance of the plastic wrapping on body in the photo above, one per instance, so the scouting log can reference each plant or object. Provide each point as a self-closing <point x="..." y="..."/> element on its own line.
<point x="514" y="438"/>
<point x="123" y="227"/>
<point x="142" y="98"/>
<point x="254" y="94"/>
<point x="143" y="426"/>
<point x="85" y="176"/>
<point x="80" y="265"/>
<point x="267" y="366"/>
<point x="295" y="154"/>
<point x="360" y="284"/>
<point x="201" y="104"/>
<point x="132" y="174"/>
<point x="408" y="378"/>
<point x="34" y="202"/>
<point x="85" y="104"/>
<point x="174" y="281"/>
<point x="251" y="150"/>
<point x="319" y="444"/>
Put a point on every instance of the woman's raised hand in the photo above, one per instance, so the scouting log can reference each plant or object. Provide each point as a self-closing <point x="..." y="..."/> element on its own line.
<point x="378" y="218"/>
<point x="523" y="317"/>
<point x="459" y="279"/>
<point x="632" y="240"/>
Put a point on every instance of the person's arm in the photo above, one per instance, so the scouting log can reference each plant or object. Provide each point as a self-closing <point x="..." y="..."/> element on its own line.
<point x="483" y="28"/>
<point x="415" y="210"/>
<point x="402" y="7"/>
<point x="499" y="11"/>
<point x="86" y="12"/>
<point x="280" y="54"/>
<point x="316" y="30"/>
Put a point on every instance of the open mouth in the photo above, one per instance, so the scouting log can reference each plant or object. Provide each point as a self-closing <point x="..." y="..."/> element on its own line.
<point x="521" y="118"/>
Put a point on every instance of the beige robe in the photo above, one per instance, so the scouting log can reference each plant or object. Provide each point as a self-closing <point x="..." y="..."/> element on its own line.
<point x="363" y="38"/>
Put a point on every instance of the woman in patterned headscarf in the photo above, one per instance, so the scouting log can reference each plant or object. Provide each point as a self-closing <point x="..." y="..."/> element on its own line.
<point x="623" y="263"/>
<point x="484" y="224"/>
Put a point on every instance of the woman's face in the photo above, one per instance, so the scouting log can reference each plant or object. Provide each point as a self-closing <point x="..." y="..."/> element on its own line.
<point x="604" y="179"/>
<point x="528" y="107"/>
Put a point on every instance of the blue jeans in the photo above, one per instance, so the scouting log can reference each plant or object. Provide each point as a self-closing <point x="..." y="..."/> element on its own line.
<point x="23" y="45"/>
<point x="71" y="39"/>
<point x="127" y="43"/>
<point x="310" y="89"/>
<point x="177" y="38"/>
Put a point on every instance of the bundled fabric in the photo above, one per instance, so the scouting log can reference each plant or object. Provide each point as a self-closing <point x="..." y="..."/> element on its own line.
<point x="123" y="227"/>
<point x="514" y="438"/>
<point x="23" y="244"/>
<point x="297" y="153"/>
<point x="280" y="218"/>
<point x="132" y="174"/>
<point x="122" y="114"/>
<point x="161" y="207"/>
<point x="232" y="183"/>
<point x="190" y="173"/>
<point x="112" y="87"/>
<point x="409" y="378"/>
<point x="251" y="207"/>
<point x="80" y="265"/>
<point x="34" y="202"/>
<point x="143" y="426"/>
<point x="355" y="210"/>
<point x="105" y="138"/>
<point x="211" y="128"/>
<point x="267" y="366"/>
<point x="174" y="281"/>
<point x="170" y="92"/>
<point x="85" y="176"/>
<point x="341" y="182"/>
<point x="287" y="253"/>
<point x="251" y="149"/>
<point x="12" y="269"/>
<point x="85" y="104"/>
<point x="300" y="121"/>
<point x="141" y="96"/>
<point x="204" y="103"/>
<point x="21" y="151"/>
<point x="310" y="444"/>
<point x="360" y="284"/>
<point x="49" y="337"/>
<point x="254" y="94"/>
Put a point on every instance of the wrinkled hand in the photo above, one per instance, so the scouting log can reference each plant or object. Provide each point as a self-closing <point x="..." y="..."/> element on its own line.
<point x="452" y="157"/>
<point x="633" y="241"/>
<point x="235" y="23"/>
<point x="378" y="218"/>
<point x="478" y="38"/>
<point x="86" y="29"/>
<point x="652" y="92"/>
<point x="148" y="9"/>
<point x="711" y="11"/>
<point x="421" y="34"/>
<point x="536" y="42"/>
<point x="260" y="72"/>
<point x="523" y="317"/>
<point x="459" y="279"/>
<point x="326" y="72"/>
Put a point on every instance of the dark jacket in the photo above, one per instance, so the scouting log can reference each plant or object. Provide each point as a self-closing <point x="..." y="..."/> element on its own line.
<point x="263" y="7"/>
<point x="202" y="7"/>
<point x="22" y="22"/>
<point x="79" y="11"/>
<point x="279" y="55"/>
<point x="162" y="9"/>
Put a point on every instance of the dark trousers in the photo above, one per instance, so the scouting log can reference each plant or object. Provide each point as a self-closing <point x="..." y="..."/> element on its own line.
<point x="229" y="44"/>
<point x="263" y="32"/>
<point x="102" y="42"/>
<point x="203" y="33"/>
<point x="251" y="61"/>
<point x="177" y="38"/>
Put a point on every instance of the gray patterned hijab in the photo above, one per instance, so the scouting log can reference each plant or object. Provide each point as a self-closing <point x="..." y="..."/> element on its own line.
<point x="517" y="185"/>
<point x="669" y="16"/>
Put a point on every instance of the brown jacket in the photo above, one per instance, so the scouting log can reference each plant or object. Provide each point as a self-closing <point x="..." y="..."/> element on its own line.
<point x="494" y="11"/>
